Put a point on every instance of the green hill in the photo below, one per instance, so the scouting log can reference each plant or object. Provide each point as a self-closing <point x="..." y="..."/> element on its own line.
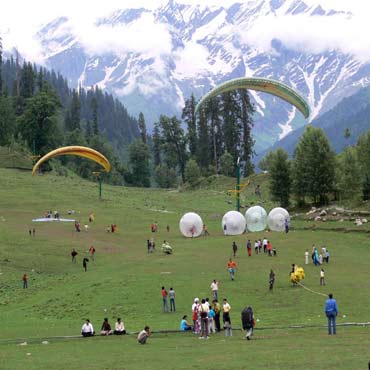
<point x="12" y="159"/>
<point x="124" y="280"/>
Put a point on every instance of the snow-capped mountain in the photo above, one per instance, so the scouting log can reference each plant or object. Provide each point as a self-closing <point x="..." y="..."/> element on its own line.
<point x="191" y="48"/>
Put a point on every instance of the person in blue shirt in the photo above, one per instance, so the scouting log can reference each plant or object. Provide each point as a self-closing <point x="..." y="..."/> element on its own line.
<point x="184" y="325"/>
<point x="331" y="311"/>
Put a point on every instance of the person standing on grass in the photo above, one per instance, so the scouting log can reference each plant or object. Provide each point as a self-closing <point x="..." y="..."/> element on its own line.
<point x="144" y="335"/>
<point x="248" y="321"/>
<point x="172" y="295"/>
<point x="214" y="288"/>
<point x="235" y="248"/>
<point x="231" y="267"/>
<point x="30" y="232"/>
<point x="25" y="281"/>
<point x="217" y="309"/>
<point x="331" y="312"/>
<point x="327" y="255"/>
<point x="249" y="248"/>
<point x="256" y="246"/>
<point x="205" y="230"/>
<point x="204" y="311"/>
<point x="92" y="252"/>
<point x="33" y="232"/>
<point x="226" y="318"/>
<point x="84" y="263"/>
<point x="306" y="254"/>
<point x="264" y="244"/>
<point x="164" y="299"/>
<point x="271" y="279"/>
<point x="74" y="254"/>
<point x="322" y="277"/>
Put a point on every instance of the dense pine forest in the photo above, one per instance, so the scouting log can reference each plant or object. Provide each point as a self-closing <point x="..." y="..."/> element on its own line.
<point x="40" y="112"/>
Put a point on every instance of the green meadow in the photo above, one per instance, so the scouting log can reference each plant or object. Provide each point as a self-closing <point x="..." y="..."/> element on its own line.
<point x="125" y="281"/>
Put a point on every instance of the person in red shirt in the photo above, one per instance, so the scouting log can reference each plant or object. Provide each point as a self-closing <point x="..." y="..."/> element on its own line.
<point x="231" y="267"/>
<point x="25" y="281"/>
<point x="269" y="248"/>
<point x="92" y="252"/>
<point x="164" y="297"/>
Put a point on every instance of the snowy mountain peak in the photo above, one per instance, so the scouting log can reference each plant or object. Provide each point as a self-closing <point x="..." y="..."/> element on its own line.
<point x="154" y="59"/>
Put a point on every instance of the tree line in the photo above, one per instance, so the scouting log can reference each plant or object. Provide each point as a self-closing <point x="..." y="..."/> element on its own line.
<point x="39" y="112"/>
<point x="315" y="174"/>
<point x="216" y="136"/>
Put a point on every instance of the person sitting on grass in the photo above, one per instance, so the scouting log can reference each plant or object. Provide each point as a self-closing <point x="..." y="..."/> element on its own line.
<point x="144" y="335"/>
<point x="184" y="325"/>
<point x="119" y="328"/>
<point x="87" y="329"/>
<point x="166" y="248"/>
<point x="106" y="328"/>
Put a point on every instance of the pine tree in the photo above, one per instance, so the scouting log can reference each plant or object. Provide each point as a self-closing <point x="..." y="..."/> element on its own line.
<point x="215" y="124"/>
<point x="192" y="172"/>
<point x="165" y="177"/>
<point x="1" y="66"/>
<point x="231" y="126"/>
<point x="94" y="109"/>
<point x="363" y="155"/>
<point x="247" y="111"/>
<point x="280" y="179"/>
<point x="139" y="162"/>
<point x="7" y="120"/>
<point x="173" y="143"/>
<point x="313" y="166"/>
<point x="75" y="113"/>
<point x="157" y="144"/>
<point x="349" y="174"/>
<point x="204" y="146"/>
<point x="38" y="125"/>
<point x="142" y="127"/>
<point x="188" y="115"/>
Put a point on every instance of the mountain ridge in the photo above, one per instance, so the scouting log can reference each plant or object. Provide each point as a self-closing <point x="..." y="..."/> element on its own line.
<point x="202" y="46"/>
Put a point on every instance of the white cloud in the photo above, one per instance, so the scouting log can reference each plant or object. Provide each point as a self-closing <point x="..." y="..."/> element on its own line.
<point x="303" y="33"/>
<point x="312" y="34"/>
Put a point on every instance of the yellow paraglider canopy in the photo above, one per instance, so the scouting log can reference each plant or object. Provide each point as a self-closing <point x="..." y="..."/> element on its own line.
<point x="80" y="151"/>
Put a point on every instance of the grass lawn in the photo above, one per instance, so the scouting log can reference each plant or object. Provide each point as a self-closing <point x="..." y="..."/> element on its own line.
<point x="125" y="281"/>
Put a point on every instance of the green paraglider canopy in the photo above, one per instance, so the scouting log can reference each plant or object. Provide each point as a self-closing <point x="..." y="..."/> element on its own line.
<point x="260" y="84"/>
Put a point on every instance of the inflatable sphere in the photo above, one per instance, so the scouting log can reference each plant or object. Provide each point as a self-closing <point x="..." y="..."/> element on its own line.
<point x="191" y="225"/>
<point x="276" y="219"/>
<point x="256" y="218"/>
<point x="233" y="223"/>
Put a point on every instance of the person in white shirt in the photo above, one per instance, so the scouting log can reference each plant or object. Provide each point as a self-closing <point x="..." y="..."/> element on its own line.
<point x="322" y="277"/>
<point x="264" y="244"/>
<point x="87" y="329"/>
<point x="306" y="255"/>
<point x="144" y="335"/>
<point x="119" y="328"/>
<point x="204" y="311"/>
<point x="214" y="288"/>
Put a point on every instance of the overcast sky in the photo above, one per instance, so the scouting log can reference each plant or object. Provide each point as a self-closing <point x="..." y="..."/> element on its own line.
<point x="19" y="20"/>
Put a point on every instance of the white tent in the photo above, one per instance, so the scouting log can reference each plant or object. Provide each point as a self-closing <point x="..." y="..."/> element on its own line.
<point x="233" y="223"/>
<point x="191" y="225"/>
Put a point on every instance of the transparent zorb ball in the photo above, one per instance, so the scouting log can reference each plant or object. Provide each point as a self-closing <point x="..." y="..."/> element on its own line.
<point x="191" y="225"/>
<point x="256" y="218"/>
<point x="277" y="218"/>
<point x="233" y="223"/>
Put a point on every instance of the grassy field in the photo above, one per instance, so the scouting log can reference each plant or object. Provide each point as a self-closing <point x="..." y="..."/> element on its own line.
<point x="125" y="281"/>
